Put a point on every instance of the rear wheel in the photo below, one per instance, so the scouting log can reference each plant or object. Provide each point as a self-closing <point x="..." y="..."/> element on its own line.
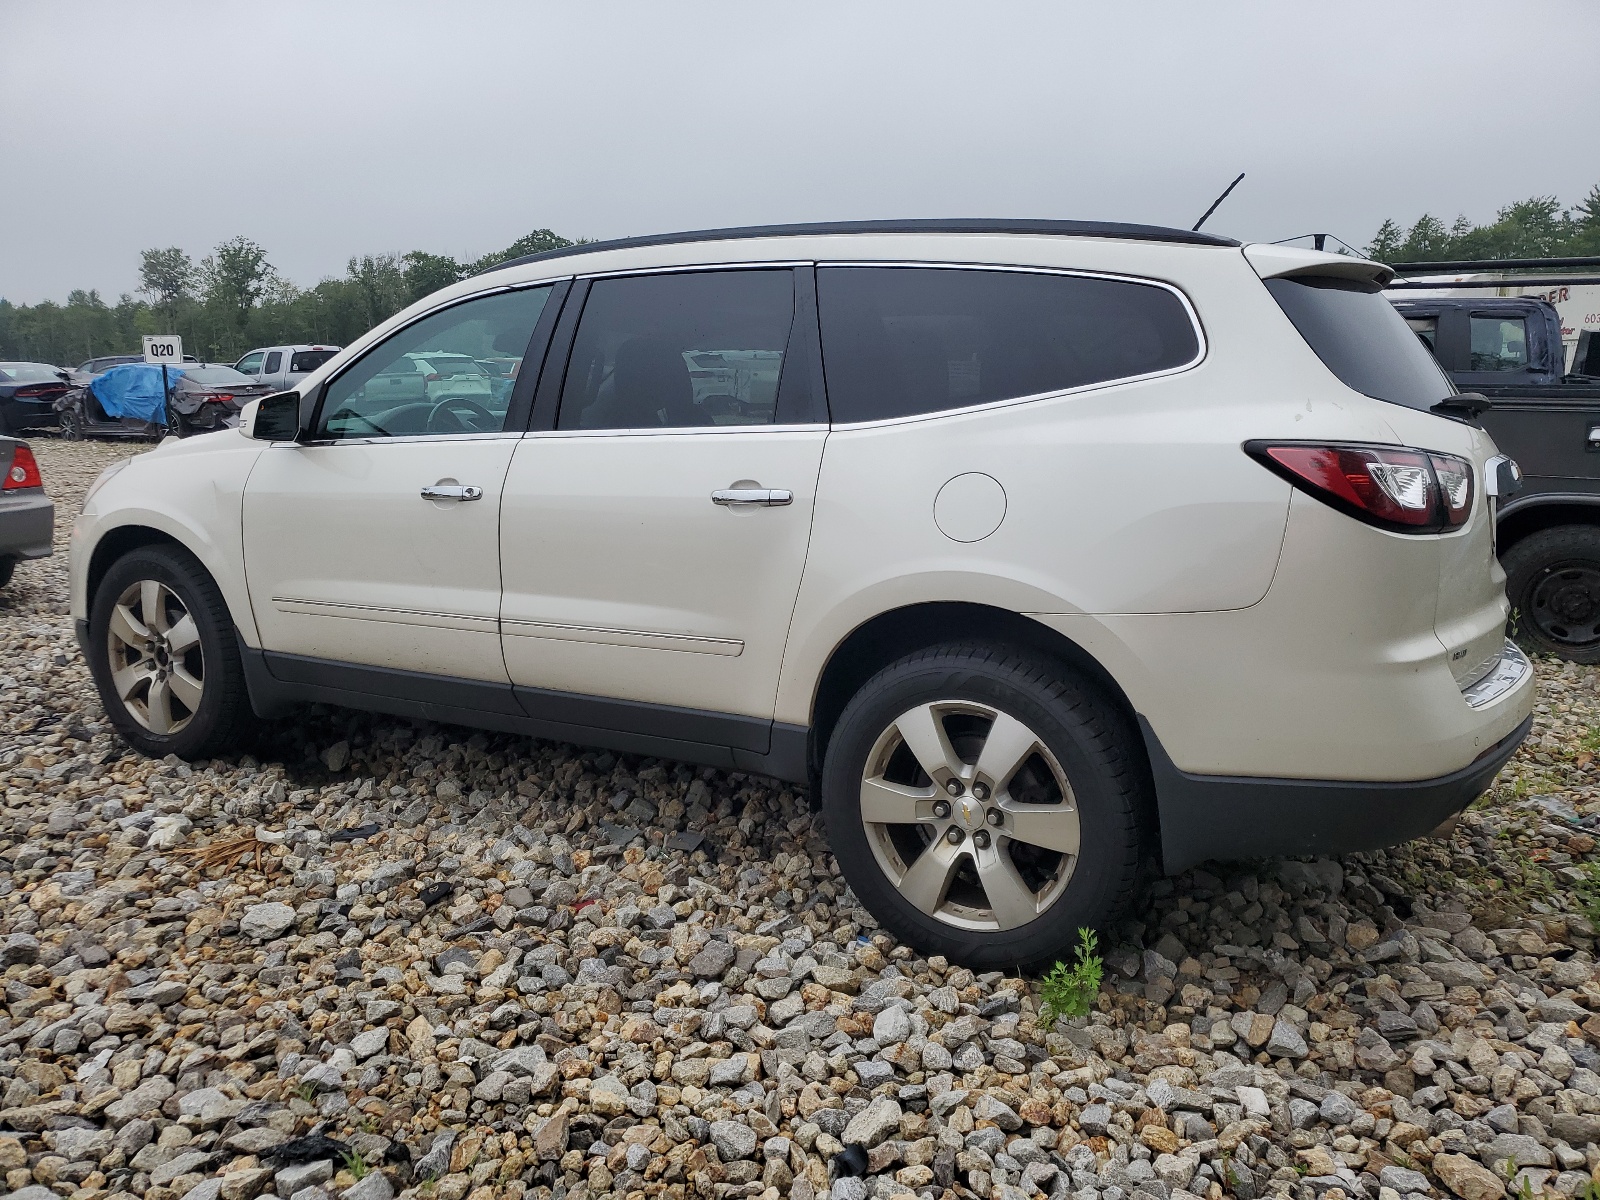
<point x="984" y="805"/>
<point x="164" y="656"/>
<point x="71" y="424"/>
<point x="8" y="567"/>
<point x="1553" y="582"/>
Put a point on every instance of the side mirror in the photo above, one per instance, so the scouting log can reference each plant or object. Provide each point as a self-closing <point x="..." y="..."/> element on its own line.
<point x="277" y="418"/>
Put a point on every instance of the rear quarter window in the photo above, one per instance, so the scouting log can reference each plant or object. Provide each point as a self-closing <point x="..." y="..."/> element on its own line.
<point x="899" y="341"/>
<point x="1362" y="339"/>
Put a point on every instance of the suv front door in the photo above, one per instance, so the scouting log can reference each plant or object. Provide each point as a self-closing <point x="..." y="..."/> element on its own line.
<point x="653" y="538"/>
<point x="377" y="542"/>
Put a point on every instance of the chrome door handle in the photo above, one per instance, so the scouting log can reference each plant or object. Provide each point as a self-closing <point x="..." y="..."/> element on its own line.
<point x="762" y="497"/>
<point x="451" y="491"/>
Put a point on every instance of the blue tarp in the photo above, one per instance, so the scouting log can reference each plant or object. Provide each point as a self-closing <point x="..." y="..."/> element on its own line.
<point x="134" y="390"/>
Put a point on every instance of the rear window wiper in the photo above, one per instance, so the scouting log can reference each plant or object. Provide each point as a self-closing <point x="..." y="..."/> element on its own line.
<point x="1463" y="406"/>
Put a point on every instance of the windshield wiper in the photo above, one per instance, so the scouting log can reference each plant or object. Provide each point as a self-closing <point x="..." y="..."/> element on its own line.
<point x="1463" y="406"/>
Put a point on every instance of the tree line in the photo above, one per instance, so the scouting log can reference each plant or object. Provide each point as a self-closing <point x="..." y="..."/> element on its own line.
<point x="233" y="299"/>
<point x="1538" y="227"/>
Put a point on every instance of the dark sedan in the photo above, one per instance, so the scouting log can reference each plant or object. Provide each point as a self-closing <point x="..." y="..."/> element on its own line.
<point x="209" y="397"/>
<point x="28" y="395"/>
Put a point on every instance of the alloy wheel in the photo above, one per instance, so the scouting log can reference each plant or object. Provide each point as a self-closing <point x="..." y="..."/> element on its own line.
<point x="970" y="815"/>
<point x="157" y="667"/>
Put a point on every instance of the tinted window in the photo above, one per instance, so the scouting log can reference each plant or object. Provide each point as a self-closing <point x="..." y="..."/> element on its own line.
<point x="669" y="351"/>
<point x="1362" y="339"/>
<point x="1499" y="344"/>
<point x="250" y="364"/>
<point x="310" y="360"/>
<point x="274" y="361"/>
<point x="391" y="391"/>
<point x="903" y="340"/>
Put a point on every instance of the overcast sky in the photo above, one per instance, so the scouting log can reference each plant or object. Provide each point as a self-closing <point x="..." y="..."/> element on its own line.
<point x="325" y="130"/>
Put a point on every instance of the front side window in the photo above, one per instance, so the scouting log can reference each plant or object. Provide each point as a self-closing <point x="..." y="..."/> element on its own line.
<point x="1427" y="331"/>
<point x="274" y="361"/>
<point x="898" y="341"/>
<point x="250" y="364"/>
<point x="677" y="351"/>
<point x="1499" y="344"/>
<point x="425" y="379"/>
<point x="1360" y="337"/>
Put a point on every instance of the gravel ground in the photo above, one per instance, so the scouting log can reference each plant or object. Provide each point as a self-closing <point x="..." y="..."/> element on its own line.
<point x="492" y="967"/>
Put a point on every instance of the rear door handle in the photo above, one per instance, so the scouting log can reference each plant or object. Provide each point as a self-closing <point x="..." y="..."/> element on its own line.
<point x="762" y="497"/>
<point x="451" y="491"/>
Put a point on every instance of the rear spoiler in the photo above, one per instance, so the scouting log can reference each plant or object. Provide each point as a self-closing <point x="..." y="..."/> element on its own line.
<point x="1272" y="261"/>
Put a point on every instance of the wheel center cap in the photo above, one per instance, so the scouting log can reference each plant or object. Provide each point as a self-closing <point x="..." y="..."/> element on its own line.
<point x="968" y="813"/>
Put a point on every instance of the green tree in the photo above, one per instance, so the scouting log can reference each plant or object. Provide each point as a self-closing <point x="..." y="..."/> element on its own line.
<point x="166" y="277"/>
<point x="426" y="273"/>
<point x="1537" y="227"/>
<point x="235" y="274"/>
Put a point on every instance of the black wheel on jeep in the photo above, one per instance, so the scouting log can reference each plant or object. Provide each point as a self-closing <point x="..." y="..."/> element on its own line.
<point x="985" y="804"/>
<point x="164" y="655"/>
<point x="1553" y="581"/>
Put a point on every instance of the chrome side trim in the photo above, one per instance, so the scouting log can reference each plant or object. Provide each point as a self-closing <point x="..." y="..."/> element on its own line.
<point x="641" y="638"/>
<point x="1513" y="668"/>
<point x="396" y="616"/>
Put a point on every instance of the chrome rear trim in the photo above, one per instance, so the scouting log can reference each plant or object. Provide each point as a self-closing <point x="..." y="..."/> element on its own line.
<point x="1513" y="668"/>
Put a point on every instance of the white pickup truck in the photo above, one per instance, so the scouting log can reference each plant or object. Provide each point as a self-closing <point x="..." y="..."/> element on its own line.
<point x="282" y="367"/>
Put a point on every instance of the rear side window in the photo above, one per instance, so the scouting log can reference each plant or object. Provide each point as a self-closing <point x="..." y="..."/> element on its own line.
<point x="274" y="361"/>
<point x="897" y="341"/>
<point x="677" y="351"/>
<point x="1360" y="337"/>
<point x="310" y="360"/>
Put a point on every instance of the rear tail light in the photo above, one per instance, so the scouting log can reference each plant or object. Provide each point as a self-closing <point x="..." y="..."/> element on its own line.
<point x="23" y="472"/>
<point x="1393" y="487"/>
<point x="43" y="389"/>
<point x="217" y="397"/>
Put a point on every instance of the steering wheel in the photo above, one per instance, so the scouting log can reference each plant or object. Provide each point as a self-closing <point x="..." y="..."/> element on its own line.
<point x="447" y="407"/>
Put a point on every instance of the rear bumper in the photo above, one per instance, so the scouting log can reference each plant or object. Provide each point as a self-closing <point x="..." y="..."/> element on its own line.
<point x="27" y="526"/>
<point x="1222" y="817"/>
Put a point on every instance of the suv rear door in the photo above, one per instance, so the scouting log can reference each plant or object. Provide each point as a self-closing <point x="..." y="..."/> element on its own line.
<point x="654" y="531"/>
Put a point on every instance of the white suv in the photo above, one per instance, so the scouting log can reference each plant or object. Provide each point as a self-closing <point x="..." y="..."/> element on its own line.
<point x="1044" y="551"/>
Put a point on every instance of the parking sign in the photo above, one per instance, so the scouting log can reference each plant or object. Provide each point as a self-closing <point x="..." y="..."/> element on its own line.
<point x="163" y="348"/>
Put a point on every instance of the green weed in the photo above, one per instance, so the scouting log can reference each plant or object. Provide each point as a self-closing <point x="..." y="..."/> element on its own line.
<point x="1071" y="991"/>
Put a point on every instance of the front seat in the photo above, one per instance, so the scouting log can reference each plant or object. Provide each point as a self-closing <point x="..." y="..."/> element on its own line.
<point x="650" y="388"/>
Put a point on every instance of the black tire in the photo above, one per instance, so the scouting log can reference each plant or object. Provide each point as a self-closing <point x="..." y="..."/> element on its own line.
<point x="71" y="425"/>
<point x="220" y="719"/>
<point x="1553" y="582"/>
<point x="8" y="567"/>
<point x="1092" y="746"/>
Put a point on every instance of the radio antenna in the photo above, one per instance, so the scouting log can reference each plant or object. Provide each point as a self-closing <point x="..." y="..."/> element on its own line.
<point x="1216" y="203"/>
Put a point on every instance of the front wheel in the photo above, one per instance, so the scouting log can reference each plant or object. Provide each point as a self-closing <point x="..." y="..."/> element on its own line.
<point x="71" y="425"/>
<point x="984" y="805"/>
<point x="164" y="656"/>
<point x="1553" y="583"/>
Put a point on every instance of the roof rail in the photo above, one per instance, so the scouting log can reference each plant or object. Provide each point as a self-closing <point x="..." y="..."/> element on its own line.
<point x="1495" y="264"/>
<point x="1102" y="229"/>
